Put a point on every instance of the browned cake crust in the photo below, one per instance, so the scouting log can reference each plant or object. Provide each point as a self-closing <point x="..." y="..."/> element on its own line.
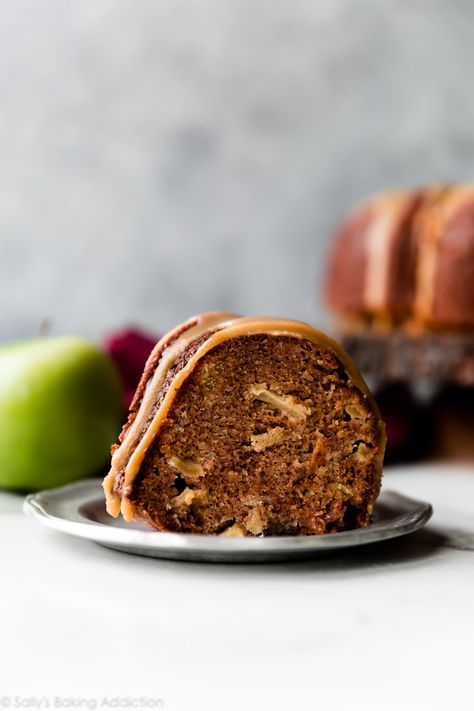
<point x="249" y="427"/>
<point x="148" y="372"/>
<point x="407" y="256"/>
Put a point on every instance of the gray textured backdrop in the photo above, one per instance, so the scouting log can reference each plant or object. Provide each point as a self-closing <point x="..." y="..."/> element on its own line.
<point x="162" y="157"/>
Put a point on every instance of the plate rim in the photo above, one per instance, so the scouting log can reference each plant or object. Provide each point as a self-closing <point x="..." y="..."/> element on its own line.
<point x="414" y="514"/>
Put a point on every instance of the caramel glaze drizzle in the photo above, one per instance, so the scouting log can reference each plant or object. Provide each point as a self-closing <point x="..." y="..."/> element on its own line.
<point x="171" y="346"/>
<point x="221" y="327"/>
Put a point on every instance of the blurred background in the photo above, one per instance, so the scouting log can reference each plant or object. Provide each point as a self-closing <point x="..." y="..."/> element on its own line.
<point x="162" y="158"/>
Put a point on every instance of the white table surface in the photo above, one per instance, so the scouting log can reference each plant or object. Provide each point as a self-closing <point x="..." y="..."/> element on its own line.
<point x="388" y="626"/>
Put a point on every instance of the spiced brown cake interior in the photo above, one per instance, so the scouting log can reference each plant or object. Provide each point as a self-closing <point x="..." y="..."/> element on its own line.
<point x="248" y="426"/>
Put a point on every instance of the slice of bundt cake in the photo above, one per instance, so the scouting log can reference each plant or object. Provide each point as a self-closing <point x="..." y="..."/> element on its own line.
<point x="248" y="426"/>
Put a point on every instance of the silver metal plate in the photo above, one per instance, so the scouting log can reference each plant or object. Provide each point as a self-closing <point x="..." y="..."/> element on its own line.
<point x="79" y="510"/>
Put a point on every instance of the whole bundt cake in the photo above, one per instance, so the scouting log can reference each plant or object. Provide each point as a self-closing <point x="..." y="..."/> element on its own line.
<point x="248" y="426"/>
<point x="407" y="256"/>
<point x="401" y="276"/>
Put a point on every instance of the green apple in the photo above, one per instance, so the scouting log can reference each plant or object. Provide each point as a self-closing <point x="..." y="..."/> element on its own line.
<point x="60" y="410"/>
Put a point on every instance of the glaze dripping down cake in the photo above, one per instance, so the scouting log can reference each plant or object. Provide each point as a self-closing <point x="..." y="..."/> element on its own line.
<point x="248" y="426"/>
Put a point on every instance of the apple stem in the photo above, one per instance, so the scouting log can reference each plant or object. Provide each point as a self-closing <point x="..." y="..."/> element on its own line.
<point x="43" y="328"/>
